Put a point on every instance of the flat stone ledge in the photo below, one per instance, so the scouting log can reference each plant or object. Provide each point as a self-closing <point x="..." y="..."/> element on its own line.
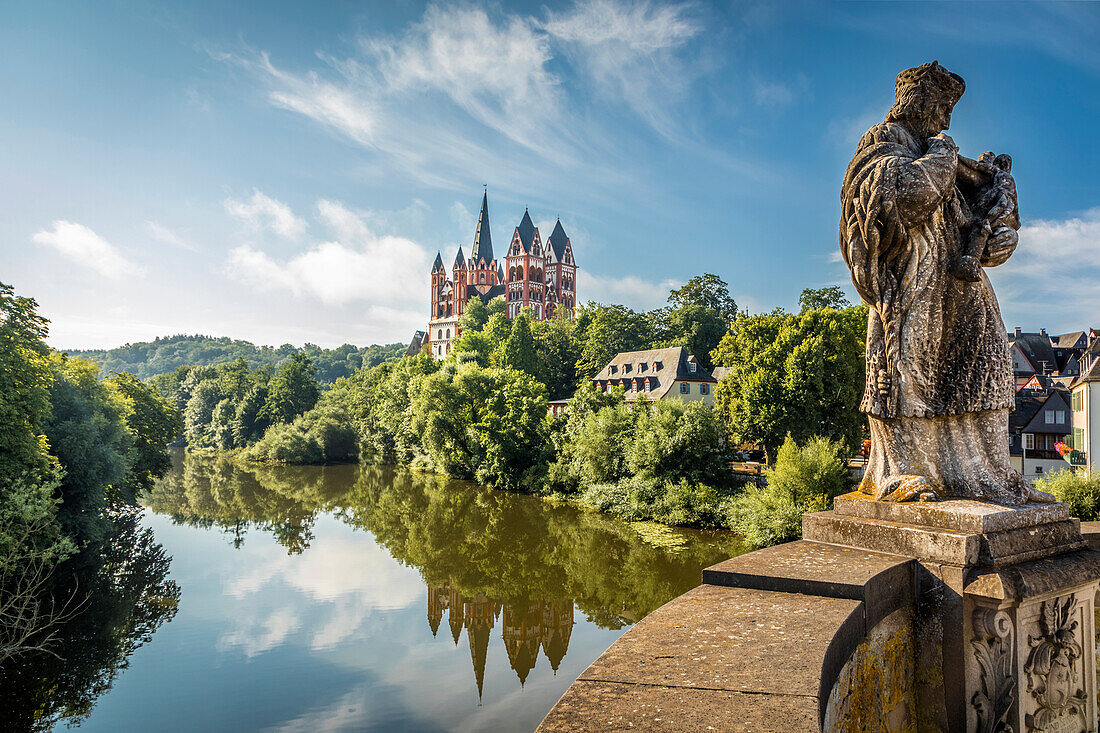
<point x="950" y="546"/>
<point x="611" y="706"/>
<point x="734" y="658"/>
<point x="1038" y="577"/>
<point x="964" y="515"/>
<point x="884" y="582"/>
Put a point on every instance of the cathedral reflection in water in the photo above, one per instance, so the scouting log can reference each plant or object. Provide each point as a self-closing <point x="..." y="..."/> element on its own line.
<point x="527" y="626"/>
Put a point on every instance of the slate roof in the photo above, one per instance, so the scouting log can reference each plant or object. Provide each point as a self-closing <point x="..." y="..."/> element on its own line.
<point x="1053" y="400"/>
<point x="526" y="230"/>
<point x="417" y="342"/>
<point x="493" y="292"/>
<point x="1037" y="349"/>
<point x="1047" y="382"/>
<point x="1068" y="340"/>
<point x="438" y="265"/>
<point x="500" y="273"/>
<point x="558" y="240"/>
<point x="483" y="238"/>
<point x="1028" y="402"/>
<point x="460" y="259"/>
<point x="663" y="368"/>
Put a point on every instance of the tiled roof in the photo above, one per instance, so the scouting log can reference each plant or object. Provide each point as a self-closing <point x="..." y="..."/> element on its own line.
<point x="1037" y="349"/>
<point x="1067" y="340"/>
<point x="663" y="367"/>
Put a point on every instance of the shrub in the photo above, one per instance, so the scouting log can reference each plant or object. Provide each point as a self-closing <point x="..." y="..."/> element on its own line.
<point x="1079" y="489"/>
<point x="641" y="498"/>
<point x="804" y="479"/>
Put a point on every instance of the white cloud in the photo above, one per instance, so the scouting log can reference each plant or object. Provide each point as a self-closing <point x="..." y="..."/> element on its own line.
<point x="162" y="233"/>
<point x="263" y="212"/>
<point x="772" y="95"/>
<point x="384" y="270"/>
<point x="1053" y="278"/>
<point x="627" y="47"/>
<point x="87" y="249"/>
<point x="630" y="290"/>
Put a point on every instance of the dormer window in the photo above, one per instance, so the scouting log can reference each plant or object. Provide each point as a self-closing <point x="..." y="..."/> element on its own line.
<point x="627" y="368"/>
<point x="643" y="366"/>
<point x="614" y="369"/>
<point x="657" y="366"/>
<point x="691" y="367"/>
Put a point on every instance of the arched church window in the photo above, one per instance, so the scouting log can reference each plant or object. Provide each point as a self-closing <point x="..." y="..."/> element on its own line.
<point x="448" y="333"/>
<point x="439" y="334"/>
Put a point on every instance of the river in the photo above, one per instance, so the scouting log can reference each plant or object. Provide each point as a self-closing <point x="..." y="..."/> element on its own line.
<point x="346" y="598"/>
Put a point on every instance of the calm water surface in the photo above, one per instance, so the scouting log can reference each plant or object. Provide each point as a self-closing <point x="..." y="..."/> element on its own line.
<point x="349" y="598"/>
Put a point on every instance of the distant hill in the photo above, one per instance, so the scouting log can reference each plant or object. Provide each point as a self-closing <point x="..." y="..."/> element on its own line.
<point x="149" y="358"/>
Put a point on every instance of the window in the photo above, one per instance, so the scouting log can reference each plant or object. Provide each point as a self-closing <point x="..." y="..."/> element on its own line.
<point x="1038" y="469"/>
<point x="647" y="385"/>
<point x="1077" y="400"/>
<point x="1055" y="417"/>
<point x="691" y="367"/>
<point x="1029" y="441"/>
<point x="448" y="333"/>
<point x="1079" y="439"/>
<point x="704" y="389"/>
<point x="685" y="388"/>
<point x="439" y="334"/>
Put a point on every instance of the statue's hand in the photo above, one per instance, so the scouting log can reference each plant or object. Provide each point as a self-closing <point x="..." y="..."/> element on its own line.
<point x="884" y="383"/>
<point x="1001" y="245"/>
<point x="944" y="140"/>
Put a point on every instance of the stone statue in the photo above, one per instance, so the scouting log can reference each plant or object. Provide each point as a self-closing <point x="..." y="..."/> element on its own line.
<point x="919" y="222"/>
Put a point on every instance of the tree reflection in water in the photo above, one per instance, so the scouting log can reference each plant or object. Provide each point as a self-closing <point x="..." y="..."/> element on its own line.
<point x="123" y="595"/>
<point x="486" y="557"/>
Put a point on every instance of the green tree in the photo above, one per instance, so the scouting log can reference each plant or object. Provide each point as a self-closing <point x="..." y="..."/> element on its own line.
<point x="89" y="437"/>
<point x="519" y="349"/>
<point x="705" y="291"/>
<point x="248" y="423"/>
<point x="799" y="375"/>
<point x="474" y="316"/>
<point x="199" y="413"/>
<point x="557" y="351"/>
<point x="606" y="330"/>
<point x="831" y="297"/>
<point x="675" y="442"/>
<point x="153" y="423"/>
<point x="292" y="390"/>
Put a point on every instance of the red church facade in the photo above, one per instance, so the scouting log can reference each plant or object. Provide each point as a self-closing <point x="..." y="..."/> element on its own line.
<point x="536" y="275"/>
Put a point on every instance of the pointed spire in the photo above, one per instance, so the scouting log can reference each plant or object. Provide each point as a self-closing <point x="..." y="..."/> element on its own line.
<point x="526" y="230"/>
<point x="500" y="273"/>
<point x="483" y="238"/>
<point x="460" y="260"/>
<point x="438" y="265"/>
<point x="558" y="240"/>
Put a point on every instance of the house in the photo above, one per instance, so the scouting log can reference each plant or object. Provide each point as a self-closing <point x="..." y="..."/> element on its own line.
<point x="1085" y="403"/>
<point x="542" y="277"/>
<point x="1032" y="353"/>
<point x="658" y="374"/>
<point x="1041" y="419"/>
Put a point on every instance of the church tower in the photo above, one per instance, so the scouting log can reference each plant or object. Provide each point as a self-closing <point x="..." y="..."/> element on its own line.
<point x="526" y="270"/>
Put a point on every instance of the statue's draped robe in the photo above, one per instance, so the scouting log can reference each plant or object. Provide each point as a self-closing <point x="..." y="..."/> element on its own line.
<point x="940" y="340"/>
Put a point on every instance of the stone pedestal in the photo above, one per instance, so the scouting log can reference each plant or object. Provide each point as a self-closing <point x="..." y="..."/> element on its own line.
<point x="1004" y="608"/>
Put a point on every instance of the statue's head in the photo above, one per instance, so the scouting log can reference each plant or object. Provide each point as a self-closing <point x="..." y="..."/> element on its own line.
<point x="924" y="97"/>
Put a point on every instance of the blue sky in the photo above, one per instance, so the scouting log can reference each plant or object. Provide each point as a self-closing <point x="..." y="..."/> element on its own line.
<point x="286" y="172"/>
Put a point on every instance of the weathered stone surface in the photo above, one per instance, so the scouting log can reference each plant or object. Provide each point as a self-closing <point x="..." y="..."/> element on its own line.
<point x="1091" y="532"/>
<point x="935" y="545"/>
<point x="882" y="581"/>
<point x="875" y="692"/>
<point x="748" y="650"/>
<point x="729" y="639"/>
<point x="919" y="222"/>
<point x="610" y="706"/>
<point x="965" y="515"/>
<point x="1038" y="577"/>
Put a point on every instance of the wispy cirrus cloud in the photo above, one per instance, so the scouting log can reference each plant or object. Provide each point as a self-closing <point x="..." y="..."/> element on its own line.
<point x="426" y="97"/>
<point x="629" y="49"/>
<point x="163" y="234"/>
<point x="83" y="247"/>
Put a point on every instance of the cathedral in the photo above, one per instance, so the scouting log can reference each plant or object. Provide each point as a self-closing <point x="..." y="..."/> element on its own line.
<point x="542" y="277"/>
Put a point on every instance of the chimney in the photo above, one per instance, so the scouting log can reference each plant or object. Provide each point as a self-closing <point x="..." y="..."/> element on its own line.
<point x="1017" y="334"/>
<point x="1042" y="332"/>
